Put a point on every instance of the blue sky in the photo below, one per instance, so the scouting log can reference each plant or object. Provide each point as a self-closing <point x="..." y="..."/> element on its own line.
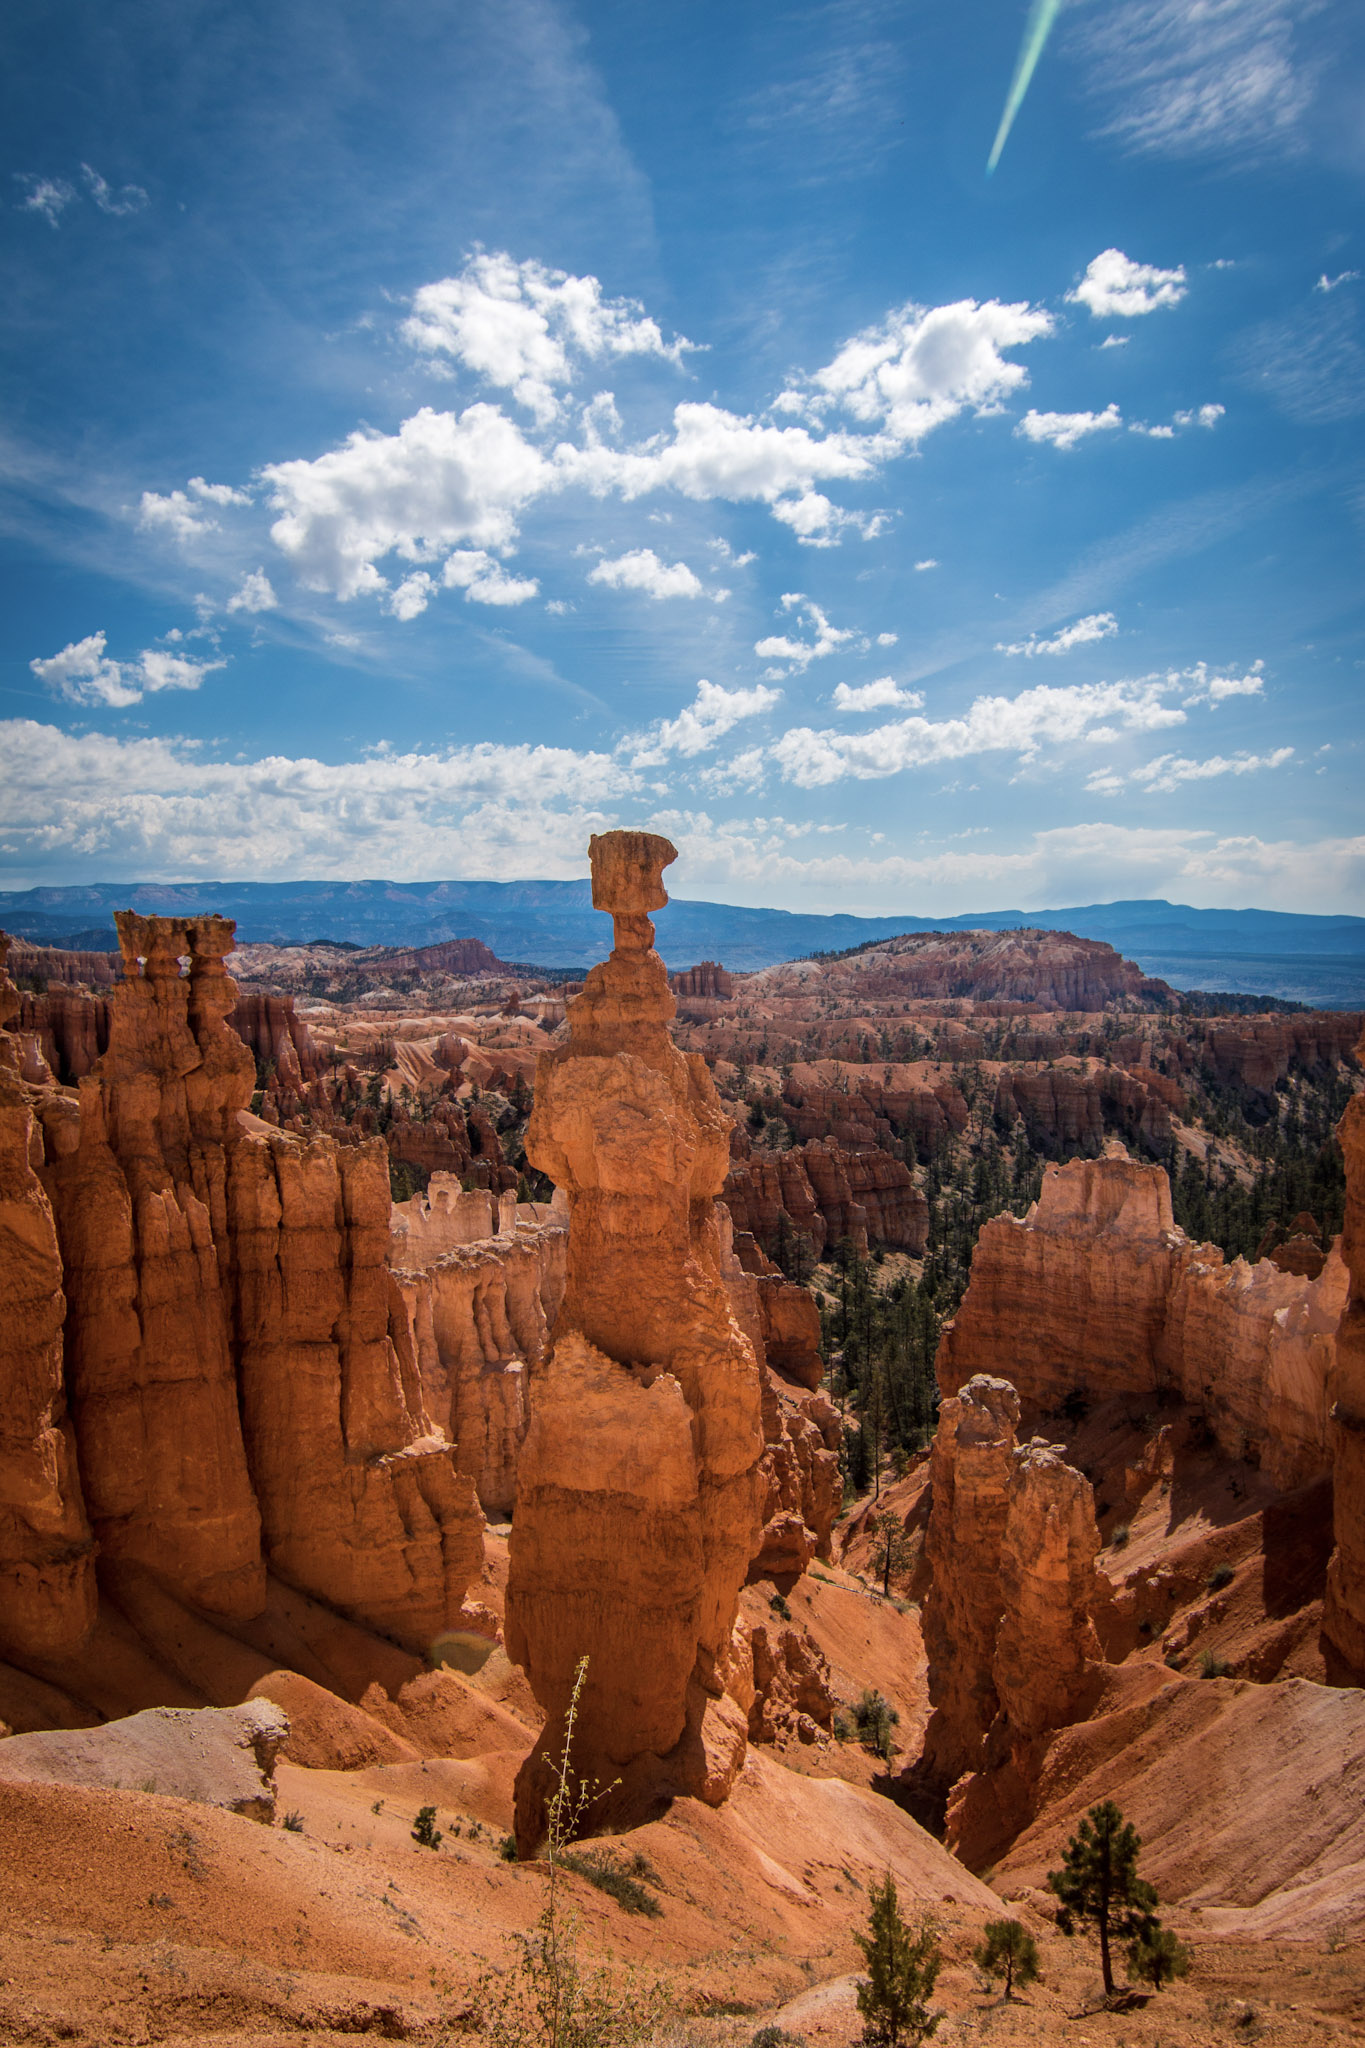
<point x="434" y="432"/>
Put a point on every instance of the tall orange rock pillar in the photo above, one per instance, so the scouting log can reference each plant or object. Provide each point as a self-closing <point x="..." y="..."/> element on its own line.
<point x="1343" y="1613"/>
<point x="638" y="1488"/>
<point x="47" y="1577"/>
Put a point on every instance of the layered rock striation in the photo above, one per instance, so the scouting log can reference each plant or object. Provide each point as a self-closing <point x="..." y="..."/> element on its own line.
<point x="481" y="1283"/>
<point x="638" y="1485"/>
<point x="1097" y="1293"/>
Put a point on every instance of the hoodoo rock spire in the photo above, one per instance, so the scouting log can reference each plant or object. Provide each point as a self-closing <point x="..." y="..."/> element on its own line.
<point x="638" y="1496"/>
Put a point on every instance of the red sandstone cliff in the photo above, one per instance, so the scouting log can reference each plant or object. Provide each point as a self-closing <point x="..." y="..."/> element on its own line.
<point x="1097" y="1291"/>
<point x="47" y="1581"/>
<point x="238" y="1365"/>
<point x="1343" y="1622"/>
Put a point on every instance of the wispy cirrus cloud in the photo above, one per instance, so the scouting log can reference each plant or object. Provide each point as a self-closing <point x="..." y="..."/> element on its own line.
<point x="1225" y="77"/>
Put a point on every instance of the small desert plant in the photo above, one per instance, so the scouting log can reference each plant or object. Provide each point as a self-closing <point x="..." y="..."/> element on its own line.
<point x="1212" y="1666"/>
<point x="424" y="1828"/>
<point x="845" y="1727"/>
<point x="603" y="1871"/>
<point x="1119" y="1539"/>
<point x="779" y="1606"/>
<point x="1008" y="1951"/>
<point x="545" y="2000"/>
<point x="378" y="1806"/>
<point x="902" y="1966"/>
<point x="293" y="1820"/>
<point x="876" y="1717"/>
<point x="1157" y="1956"/>
<point x="1099" y="1881"/>
<point x="507" y="1848"/>
<point x="773" y="2037"/>
<point x="1220" y="1576"/>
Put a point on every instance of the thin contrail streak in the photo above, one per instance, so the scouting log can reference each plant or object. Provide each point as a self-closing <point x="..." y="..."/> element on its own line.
<point x="1037" y="29"/>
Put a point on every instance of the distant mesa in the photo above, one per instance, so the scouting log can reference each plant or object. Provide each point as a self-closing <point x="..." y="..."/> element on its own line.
<point x="1275" y="955"/>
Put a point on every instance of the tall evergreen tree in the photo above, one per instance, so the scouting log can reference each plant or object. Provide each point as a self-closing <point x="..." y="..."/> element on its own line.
<point x="1099" y="1881"/>
<point x="901" y="1970"/>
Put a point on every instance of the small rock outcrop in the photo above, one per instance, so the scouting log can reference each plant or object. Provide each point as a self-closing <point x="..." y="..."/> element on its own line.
<point x="217" y="1756"/>
<point x="638" y="1485"/>
<point x="708" y="979"/>
<point x="823" y="1191"/>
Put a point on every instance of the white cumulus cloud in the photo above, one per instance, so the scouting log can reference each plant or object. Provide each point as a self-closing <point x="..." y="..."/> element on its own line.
<point x="885" y="694"/>
<point x="1066" y="429"/>
<point x="254" y="595"/>
<point x="441" y="479"/>
<point x="1168" y="771"/>
<point x="923" y="366"/>
<point x="1114" y="287"/>
<point x="1098" y="626"/>
<point x="521" y="326"/>
<point x="824" y="638"/>
<point x="84" y="673"/>
<point x="641" y="569"/>
<point x="1214" y="690"/>
<point x="1023" y="725"/>
<point x="712" y="713"/>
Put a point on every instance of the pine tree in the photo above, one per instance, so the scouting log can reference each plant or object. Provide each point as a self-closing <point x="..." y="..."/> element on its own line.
<point x="891" y="1548"/>
<point x="901" y="1969"/>
<point x="1157" y="1956"/>
<point x="1099" y="1881"/>
<point x="1008" y="1950"/>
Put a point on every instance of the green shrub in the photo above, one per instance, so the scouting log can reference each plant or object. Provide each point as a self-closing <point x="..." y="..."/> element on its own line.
<point x="1212" y="1666"/>
<point x="293" y="1820"/>
<point x="876" y="1717"/>
<point x="1008" y="1951"/>
<point x="1119" y="1539"/>
<point x="601" y="1869"/>
<point x="1221" y="1575"/>
<point x="779" y="1606"/>
<point x="1157" y="1956"/>
<point x="424" y="1829"/>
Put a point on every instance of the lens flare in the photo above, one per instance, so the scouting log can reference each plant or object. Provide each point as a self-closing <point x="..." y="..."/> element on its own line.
<point x="1037" y="29"/>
